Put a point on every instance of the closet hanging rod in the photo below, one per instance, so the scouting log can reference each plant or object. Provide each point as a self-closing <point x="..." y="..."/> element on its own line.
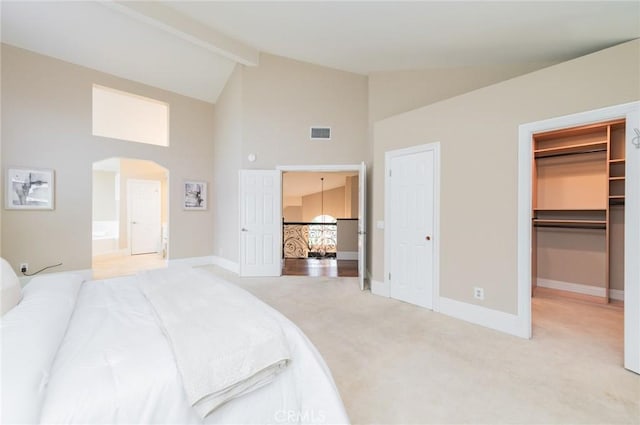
<point x="542" y="155"/>
<point x="572" y="226"/>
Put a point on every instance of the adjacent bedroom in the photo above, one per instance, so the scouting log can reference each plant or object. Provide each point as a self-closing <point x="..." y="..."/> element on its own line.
<point x="327" y="213"/>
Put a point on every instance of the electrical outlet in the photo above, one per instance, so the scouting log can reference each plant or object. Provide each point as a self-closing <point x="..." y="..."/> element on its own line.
<point x="478" y="293"/>
<point x="24" y="267"/>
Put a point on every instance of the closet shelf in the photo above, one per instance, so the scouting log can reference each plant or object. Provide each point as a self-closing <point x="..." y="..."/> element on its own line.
<point x="570" y="209"/>
<point x="600" y="146"/>
<point x="588" y="224"/>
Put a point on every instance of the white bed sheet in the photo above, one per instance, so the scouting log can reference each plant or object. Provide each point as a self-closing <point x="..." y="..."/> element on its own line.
<point x="116" y="366"/>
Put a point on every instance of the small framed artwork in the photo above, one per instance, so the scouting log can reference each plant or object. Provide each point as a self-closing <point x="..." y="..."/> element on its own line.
<point x="195" y="195"/>
<point x="29" y="189"/>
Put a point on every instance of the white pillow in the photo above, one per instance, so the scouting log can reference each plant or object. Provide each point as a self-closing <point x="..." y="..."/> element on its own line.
<point x="30" y="336"/>
<point x="11" y="293"/>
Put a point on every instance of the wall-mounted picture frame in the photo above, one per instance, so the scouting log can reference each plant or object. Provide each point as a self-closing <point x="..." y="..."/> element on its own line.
<point x="195" y="195"/>
<point x="29" y="189"/>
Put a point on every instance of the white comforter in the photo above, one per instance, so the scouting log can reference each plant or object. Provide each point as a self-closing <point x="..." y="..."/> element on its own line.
<point x="116" y="366"/>
<point x="225" y="342"/>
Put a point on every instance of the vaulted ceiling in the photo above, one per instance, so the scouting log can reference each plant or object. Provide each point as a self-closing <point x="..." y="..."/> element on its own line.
<point x="191" y="47"/>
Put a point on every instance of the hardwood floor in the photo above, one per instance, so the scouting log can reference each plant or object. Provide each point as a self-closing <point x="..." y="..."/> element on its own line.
<point x="316" y="267"/>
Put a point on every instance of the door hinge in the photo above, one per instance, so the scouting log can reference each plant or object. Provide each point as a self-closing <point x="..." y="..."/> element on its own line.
<point x="389" y="276"/>
<point x="389" y="173"/>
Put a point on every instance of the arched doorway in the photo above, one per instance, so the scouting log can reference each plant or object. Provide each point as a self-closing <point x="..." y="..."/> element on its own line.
<point x="130" y="230"/>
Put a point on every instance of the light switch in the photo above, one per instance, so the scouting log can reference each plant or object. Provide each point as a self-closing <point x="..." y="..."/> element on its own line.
<point x="380" y="224"/>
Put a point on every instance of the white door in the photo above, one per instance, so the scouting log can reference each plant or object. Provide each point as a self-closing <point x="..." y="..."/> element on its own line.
<point x="260" y="223"/>
<point x="410" y="228"/>
<point x="144" y="216"/>
<point x="362" y="223"/>
<point x="632" y="244"/>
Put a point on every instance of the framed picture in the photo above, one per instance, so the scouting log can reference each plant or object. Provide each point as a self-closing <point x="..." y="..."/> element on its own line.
<point x="195" y="195"/>
<point x="29" y="189"/>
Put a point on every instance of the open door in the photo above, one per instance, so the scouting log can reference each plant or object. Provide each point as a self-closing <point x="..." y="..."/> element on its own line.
<point x="144" y="216"/>
<point x="260" y="223"/>
<point x="632" y="243"/>
<point x="362" y="223"/>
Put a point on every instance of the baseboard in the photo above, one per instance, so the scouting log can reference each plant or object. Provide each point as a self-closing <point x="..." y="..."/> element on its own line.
<point x="593" y="291"/>
<point x="192" y="261"/>
<point x="87" y="274"/>
<point x="616" y="294"/>
<point x="226" y="264"/>
<point x="493" y="319"/>
<point x="380" y="288"/>
<point x="347" y="255"/>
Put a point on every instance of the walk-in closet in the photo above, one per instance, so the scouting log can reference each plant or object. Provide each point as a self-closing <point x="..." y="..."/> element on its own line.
<point x="578" y="212"/>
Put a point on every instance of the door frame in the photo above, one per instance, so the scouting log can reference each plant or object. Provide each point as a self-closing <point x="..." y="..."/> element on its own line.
<point x="334" y="168"/>
<point x="630" y="111"/>
<point x="388" y="156"/>
<point x="129" y="232"/>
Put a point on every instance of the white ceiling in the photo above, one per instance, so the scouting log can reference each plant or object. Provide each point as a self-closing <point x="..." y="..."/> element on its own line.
<point x="191" y="47"/>
<point x="296" y="184"/>
<point x="366" y="37"/>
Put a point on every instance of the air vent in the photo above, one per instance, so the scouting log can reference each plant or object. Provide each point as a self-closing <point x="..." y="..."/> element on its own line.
<point x="320" y="133"/>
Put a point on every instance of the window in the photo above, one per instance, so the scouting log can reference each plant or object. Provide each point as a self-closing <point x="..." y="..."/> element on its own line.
<point x="126" y="116"/>
<point x="323" y="236"/>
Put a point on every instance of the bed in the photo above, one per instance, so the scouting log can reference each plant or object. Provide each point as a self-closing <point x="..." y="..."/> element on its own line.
<point x="178" y="346"/>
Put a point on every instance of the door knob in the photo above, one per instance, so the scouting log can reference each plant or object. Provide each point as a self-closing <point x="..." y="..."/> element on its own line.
<point x="428" y="238"/>
<point x="244" y="230"/>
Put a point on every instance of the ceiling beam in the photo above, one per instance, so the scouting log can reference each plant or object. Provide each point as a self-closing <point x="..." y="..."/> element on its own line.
<point x="176" y="23"/>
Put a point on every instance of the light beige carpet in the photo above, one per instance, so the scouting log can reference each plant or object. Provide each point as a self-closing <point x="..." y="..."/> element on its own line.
<point x="395" y="363"/>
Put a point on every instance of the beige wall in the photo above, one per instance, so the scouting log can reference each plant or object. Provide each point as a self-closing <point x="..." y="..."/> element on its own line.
<point x="104" y="196"/>
<point x="292" y="214"/>
<point x="478" y="132"/>
<point x="267" y="110"/>
<point x="227" y="160"/>
<point x="572" y="256"/>
<point x="46" y="123"/>
<point x="351" y="198"/>
<point x="392" y="93"/>
<point x="283" y="98"/>
<point x="347" y="236"/>
<point x="331" y="202"/>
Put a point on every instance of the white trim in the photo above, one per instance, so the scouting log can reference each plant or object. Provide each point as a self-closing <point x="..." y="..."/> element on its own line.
<point x="192" y="261"/>
<point x="226" y="264"/>
<point x="578" y="288"/>
<point x="87" y="274"/>
<point x="630" y="111"/>
<point x="494" y="319"/>
<point x="347" y="255"/>
<point x="380" y="288"/>
<point x="329" y="168"/>
<point x="616" y="294"/>
<point x="319" y="168"/>
<point x="435" y="147"/>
